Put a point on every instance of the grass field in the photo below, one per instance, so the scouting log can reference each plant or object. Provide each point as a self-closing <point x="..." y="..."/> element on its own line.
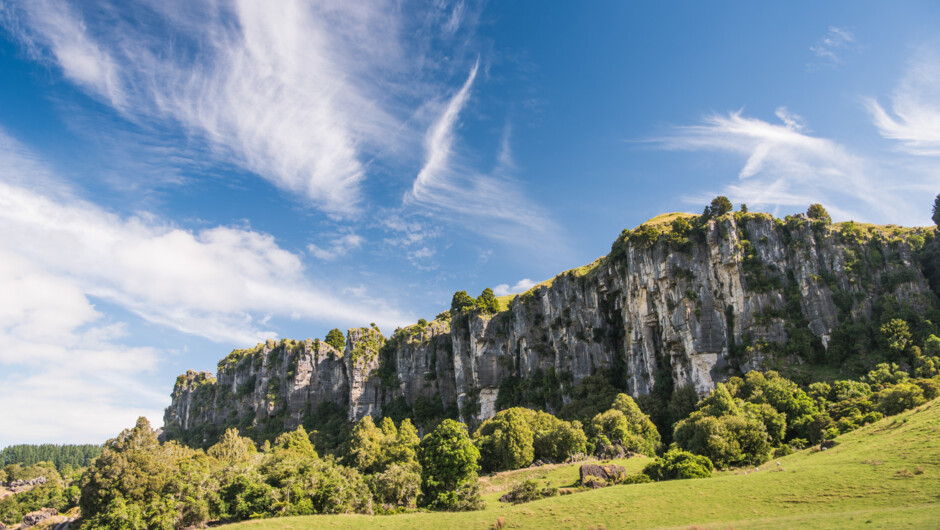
<point x="886" y="475"/>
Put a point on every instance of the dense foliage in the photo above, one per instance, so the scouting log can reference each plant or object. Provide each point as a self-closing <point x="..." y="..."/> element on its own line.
<point x="678" y="464"/>
<point x="59" y="491"/>
<point x="62" y="456"/>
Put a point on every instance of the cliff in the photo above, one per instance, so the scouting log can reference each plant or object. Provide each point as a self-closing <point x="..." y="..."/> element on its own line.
<point x="670" y="305"/>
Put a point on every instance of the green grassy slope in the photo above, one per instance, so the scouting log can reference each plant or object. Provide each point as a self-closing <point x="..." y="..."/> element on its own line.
<point x="886" y="475"/>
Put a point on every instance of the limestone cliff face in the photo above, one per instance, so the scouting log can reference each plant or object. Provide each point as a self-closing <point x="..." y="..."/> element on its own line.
<point x="744" y="292"/>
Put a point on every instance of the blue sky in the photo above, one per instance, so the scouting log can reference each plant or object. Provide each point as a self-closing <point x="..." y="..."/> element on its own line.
<point x="178" y="179"/>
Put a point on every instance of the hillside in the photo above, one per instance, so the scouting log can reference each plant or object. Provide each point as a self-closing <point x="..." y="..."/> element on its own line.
<point x="885" y="475"/>
<point x="674" y="304"/>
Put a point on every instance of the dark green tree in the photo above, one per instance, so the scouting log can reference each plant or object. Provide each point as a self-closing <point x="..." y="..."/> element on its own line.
<point x="720" y="205"/>
<point x="487" y="301"/>
<point x="336" y="339"/>
<point x="505" y="441"/>
<point x="936" y="210"/>
<point x="449" y="463"/>
<point x="461" y="302"/>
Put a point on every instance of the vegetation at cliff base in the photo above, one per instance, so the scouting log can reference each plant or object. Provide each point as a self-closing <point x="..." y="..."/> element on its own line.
<point x="884" y="475"/>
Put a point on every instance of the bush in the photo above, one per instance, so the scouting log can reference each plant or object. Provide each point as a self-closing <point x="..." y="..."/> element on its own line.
<point x="397" y="486"/>
<point x="527" y="491"/>
<point x="678" y="464"/>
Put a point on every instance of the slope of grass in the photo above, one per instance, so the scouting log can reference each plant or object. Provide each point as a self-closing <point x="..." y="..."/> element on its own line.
<point x="886" y="475"/>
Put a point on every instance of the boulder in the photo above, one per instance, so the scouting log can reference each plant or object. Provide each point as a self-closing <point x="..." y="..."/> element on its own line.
<point x="33" y="518"/>
<point x="598" y="476"/>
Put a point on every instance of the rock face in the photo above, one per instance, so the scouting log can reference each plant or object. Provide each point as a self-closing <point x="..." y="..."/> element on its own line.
<point x="597" y="476"/>
<point x="743" y="292"/>
<point x="34" y="518"/>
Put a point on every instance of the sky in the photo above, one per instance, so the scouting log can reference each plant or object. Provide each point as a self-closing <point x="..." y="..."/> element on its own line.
<point x="182" y="178"/>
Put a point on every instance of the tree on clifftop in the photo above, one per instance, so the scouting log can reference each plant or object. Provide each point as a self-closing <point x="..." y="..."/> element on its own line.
<point x="720" y="205"/>
<point x="936" y="210"/>
<point x="336" y="339"/>
<point x="816" y="211"/>
<point x="461" y="302"/>
<point x="487" y="301"/>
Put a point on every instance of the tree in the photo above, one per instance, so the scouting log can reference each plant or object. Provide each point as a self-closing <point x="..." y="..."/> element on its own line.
<point x="364" y="447"/>
<point x="936" y="210"/>
<point x="297" y="441"/>
<point x="461" y="302"/>
<point x="897" y="337"/>
<point x="139" y="483"/>
<point x="720" y="205"/>
<point x="336" y="339"/>
<point x="900" y="397"/>
<point x="449" y="463"/>
<point x="639" y="424"/>
<point x="487" y="301"/>
<point x="816" y="211"/>
<point x="232" y="448"/>
<point x="727" y="433"/>
<point x="505" y="441"/>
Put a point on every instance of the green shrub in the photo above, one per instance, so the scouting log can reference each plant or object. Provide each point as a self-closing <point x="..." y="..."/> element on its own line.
<point x="396" y="486"/>
<point x="527" y="491"/>
<point x="678" y="464"/>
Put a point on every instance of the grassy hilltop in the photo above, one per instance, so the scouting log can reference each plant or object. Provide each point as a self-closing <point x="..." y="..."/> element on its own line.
<point x="885" y="475"/>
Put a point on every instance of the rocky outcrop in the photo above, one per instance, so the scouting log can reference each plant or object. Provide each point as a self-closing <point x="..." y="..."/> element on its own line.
<point x="743" y="292"/>
<point x="598" y="475"/>
<point x="34" y="518"/>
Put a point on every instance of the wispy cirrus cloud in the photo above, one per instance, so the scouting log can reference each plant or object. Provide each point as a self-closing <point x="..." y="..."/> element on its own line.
<point x="306" y="95"/>
<point x="785" y="166"/>
<point x="491" y="203"/>
<point x="831" y="46"/>
<point x="914" y="118"/>
<point x="338" y="247"/>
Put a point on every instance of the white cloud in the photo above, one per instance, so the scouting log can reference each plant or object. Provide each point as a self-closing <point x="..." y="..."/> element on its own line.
<point x="338" y="247"/>
<point x="492" y="204"/>
<point x="67" y="373"/>
<point x="215" y="282"/>
<point x="61" y="360"/>
<point x="836" y="41"/>
<point x="304" y="95"/>
<point x="786" y="167"/>
<point x="914" y="120"/>
<point x="521" y="286"/>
